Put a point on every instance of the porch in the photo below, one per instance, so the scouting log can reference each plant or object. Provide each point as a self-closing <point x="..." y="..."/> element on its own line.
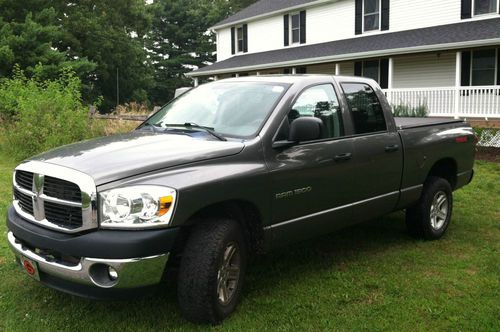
<point x="459" y="102"/>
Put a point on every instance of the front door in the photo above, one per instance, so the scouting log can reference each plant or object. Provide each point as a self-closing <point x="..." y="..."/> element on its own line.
<point x="311" y="180"/>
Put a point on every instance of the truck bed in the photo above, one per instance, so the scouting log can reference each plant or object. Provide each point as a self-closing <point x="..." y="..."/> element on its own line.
<point x="406" y="123"/>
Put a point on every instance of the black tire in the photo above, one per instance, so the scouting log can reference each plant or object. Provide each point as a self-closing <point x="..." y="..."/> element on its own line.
<point x="425" y="221"/>
<point x="201" y="265"/>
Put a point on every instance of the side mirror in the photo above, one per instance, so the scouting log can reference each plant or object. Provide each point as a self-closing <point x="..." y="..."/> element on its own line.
<point x="306" y="129"/>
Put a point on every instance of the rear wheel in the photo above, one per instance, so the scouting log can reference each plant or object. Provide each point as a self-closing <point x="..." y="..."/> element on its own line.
<point x="431" y="216"/>
<point x="211" y="273"/>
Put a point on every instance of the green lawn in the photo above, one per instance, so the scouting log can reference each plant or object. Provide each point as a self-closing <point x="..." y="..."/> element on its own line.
<point x="368" y="277"/>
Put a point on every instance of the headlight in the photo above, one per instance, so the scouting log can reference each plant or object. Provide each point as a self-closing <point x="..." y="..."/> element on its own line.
<point x="137" y="207"/>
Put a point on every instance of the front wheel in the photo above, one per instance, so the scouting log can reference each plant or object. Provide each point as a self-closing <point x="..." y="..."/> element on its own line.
<point x="431" y="216"/>
<point x="211" y="273"/>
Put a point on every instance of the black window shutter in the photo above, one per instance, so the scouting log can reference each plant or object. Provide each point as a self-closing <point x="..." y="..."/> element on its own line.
<point x="233" y="40"/>
<point x="466" y="9"/>
<point x="286" y="29"/>
<point x="466" y="66"/>
<point x="303" y="27"/>
<point x="384" y="73"/>
<point x="358" y="68"/>
<point x="385" y="14"/>
<point x="245" y="38"/>
<point x="498" y="67"/>
<point x="359" y="17"/>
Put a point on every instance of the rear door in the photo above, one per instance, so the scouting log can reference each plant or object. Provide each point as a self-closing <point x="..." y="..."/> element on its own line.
<point x="378" y="154"/>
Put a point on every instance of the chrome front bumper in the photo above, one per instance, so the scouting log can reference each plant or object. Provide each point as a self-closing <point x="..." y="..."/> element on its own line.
<point x="130" y="273"/>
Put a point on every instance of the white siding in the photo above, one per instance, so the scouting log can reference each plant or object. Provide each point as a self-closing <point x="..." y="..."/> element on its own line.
<point x="223" y="44"/>
<point x="347" y="68"/>
<point x="265" y="35"/>
<point x="326" y="68"/>
<point x="335" y="21"/>
<point x="330" y="22"/>
<point x="414" y="14"/>
<point x="425" y="70"/>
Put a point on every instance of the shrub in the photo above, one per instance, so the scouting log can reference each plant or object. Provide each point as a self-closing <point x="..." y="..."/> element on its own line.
<point x="405" y="110"/>
<point x="39" y="115"/>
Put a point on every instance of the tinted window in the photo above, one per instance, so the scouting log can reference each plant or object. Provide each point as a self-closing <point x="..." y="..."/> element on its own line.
<point x="367" y="113"/>
<point x="320" y="102"/>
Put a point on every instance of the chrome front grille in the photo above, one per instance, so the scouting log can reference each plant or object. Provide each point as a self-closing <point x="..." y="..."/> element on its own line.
<point x="61" y="189"/>
<point x="25" y="201"/>
<point x="55" y="197"/>
<point x="24" y="179"/>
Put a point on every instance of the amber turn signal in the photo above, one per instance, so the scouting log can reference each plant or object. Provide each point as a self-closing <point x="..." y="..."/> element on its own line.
<point x="165" y="205"/>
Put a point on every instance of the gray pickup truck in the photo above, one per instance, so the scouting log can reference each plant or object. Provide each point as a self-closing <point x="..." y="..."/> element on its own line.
<point x="227" y="170"/>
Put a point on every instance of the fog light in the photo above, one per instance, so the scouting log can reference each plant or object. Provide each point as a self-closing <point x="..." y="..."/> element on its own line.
<point x="113" y="275"/>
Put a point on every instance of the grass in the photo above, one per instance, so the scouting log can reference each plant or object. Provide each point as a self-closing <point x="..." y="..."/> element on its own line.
<point x="368" y="277"/>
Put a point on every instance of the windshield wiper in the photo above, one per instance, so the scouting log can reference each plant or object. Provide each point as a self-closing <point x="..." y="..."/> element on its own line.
<point x="197" y="126"/>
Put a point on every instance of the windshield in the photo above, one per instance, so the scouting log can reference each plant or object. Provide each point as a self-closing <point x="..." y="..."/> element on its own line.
<point x="228" y="108"/>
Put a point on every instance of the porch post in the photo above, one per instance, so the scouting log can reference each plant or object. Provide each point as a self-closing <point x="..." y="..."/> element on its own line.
<point x="196" y="82"/>
<point x="258" y="73"/>
<point x="337" y="69"/>
<point x="294" y="71"/>
<point x="390" y="81"/>
<point x="216" y="78"/>
<point x="458" y="76"/>
<point x="236" y="75"/>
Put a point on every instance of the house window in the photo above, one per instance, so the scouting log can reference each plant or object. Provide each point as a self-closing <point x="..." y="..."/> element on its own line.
<point x="295" y="31"/>
<point x="482" y="7"/>
<point x="483" y="68"/>
<point x="295" y="28"/>
<point x="371" y="15"/>
<point x="371" y="69"/>
<point x="377" y="70"/>
<point x="239" y="39"/>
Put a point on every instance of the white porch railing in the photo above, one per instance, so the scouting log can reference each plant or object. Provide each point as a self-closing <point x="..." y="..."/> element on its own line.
<point x="463" y="102"/>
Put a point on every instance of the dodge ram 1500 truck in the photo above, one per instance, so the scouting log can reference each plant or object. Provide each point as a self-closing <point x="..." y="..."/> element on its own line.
<point x="226" y="170"/>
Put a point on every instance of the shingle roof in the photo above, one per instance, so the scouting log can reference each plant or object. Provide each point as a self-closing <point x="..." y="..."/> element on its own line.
<point x="458" y="35"/>
<point x="263" y="7"/>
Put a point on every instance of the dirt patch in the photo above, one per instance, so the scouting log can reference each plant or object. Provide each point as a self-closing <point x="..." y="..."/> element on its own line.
<point x="488" y="154"/>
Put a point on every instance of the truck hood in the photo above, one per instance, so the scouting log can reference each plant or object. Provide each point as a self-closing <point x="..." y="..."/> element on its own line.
<point x="116" y="157"/>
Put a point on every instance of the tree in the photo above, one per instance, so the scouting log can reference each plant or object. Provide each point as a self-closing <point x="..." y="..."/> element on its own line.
<point x="111" y="34"/>
<point x="31" y="38"/>
<point x="179" y="40"/>
<point x="96" y="38"/>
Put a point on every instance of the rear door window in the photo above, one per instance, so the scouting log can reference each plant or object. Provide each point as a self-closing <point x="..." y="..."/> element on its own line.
<point x="366" y="111"/>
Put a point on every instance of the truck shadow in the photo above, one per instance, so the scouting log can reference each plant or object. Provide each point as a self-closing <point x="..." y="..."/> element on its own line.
<point x="281" y="268"/>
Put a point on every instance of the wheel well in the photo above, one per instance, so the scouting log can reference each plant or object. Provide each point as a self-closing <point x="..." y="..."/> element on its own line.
<point x="446" y="169"/>
<point x="245" y="213"/>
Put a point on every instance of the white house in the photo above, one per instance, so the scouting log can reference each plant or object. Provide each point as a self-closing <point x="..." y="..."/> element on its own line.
<point x="442" y="53"/>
